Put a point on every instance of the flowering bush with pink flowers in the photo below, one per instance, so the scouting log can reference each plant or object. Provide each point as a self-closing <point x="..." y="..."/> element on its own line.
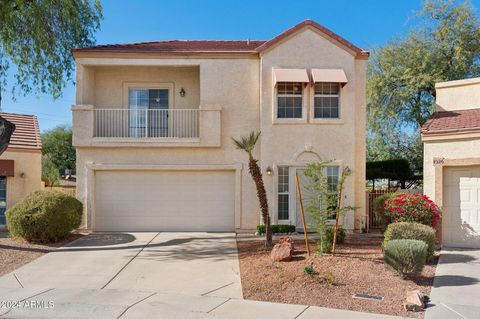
<point x="409" y="208"/>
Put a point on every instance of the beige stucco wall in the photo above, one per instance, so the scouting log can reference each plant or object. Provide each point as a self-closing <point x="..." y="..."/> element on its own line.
<point x="29" y="164"/>
<point x="458" y="95"/>
<point x="242" y="87"/>
<point x="111" y="83"/>
<point x="233" y="84"/>
<point x="343" y="140"/>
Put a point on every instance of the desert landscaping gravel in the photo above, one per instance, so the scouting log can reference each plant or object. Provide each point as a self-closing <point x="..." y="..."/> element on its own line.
<point x="357" y="268"/>
<point x="15" y="253"/>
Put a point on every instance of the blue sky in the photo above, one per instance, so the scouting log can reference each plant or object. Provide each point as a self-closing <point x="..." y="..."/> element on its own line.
<point x="365" y="23"/>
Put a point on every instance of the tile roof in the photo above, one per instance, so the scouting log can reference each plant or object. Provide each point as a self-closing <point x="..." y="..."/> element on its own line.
<point x="216" y="46"/>
<point x="27" y="132"/>
<point x="179" y="46"/>
<point x="452" y="122"/>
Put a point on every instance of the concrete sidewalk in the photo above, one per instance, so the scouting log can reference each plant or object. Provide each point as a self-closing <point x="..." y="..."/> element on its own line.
<point x="113" y="304"/>
<point x="456" y="288"/>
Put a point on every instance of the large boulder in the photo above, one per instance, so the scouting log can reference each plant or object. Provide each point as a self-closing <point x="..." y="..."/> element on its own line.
<point x="283" y="250"/>
<point x="415" y="301"/>
<point x="287" y="240"/>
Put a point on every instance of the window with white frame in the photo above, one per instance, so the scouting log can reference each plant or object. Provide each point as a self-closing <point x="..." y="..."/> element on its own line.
<point x="332" y="180"/>
<point x="148" y="109"/>
<point x="289" y="100"/>
<point x="326" y="101"/>
<point x="283" y="193"/>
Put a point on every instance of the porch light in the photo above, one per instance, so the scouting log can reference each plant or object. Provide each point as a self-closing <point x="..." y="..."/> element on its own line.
<point x="269" y="171"/>
<point x="182" y="92"/>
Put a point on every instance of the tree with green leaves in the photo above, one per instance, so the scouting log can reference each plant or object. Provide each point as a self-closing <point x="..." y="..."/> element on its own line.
<point x="50" y="171"/>
<point x="57" y="144"/>
<point x="443" y="45"/>
<point x="247" y="144"/>
<point x="36" y="37"/>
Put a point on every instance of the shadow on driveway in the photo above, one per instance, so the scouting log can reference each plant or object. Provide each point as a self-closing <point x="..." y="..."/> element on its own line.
<point x="453" y="281"/>
<point x="455" y="258"/>
<point x="93" y="240"/>
<point x="187" y="248"/>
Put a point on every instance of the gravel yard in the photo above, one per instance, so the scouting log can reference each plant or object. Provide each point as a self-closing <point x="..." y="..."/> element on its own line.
<point x="15" y="253"/>
<point x="356" y="269"/>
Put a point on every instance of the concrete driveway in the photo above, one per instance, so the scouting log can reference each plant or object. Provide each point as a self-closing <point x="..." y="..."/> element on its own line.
<point x="456" y="288"/>
<point x="182" y="263"/>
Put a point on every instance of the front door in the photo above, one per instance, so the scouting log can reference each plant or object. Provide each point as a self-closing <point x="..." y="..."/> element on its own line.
<point x="303" y="182"/>
<point x="288" y="204"/>
<point x="3" y="199"/>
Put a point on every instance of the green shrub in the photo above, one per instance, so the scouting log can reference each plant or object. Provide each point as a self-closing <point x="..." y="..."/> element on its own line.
<point x="396" y="169"/>
<point x="378" y="210"/>
<point x="340" y="235"/>
<point x="408" y="230"/>
<point x="406" y="256"/>
<point x="44" y="216"/>
<point x="325" y="247"/>
<point x="309" y="270"/>
<point x="277" y="229"/>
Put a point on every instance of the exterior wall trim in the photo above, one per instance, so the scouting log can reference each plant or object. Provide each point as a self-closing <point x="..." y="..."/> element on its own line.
<point x="91" y="168"/>
<point x="454" y="135"/>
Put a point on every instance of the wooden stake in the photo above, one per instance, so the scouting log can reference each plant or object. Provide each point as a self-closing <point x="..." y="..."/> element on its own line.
<point x="299" y="194"/>
<point x="337" y="211"/>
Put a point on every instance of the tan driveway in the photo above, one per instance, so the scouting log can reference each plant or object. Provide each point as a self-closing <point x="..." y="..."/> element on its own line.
<point x="186" y="263"/>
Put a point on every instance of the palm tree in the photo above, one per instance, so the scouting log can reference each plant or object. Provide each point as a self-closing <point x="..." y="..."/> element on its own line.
<point x="247" y="144"/>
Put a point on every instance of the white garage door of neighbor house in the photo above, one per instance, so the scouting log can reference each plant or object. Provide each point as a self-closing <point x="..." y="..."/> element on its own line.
<point x="461" y="207"/>
<point x="164" y="201"/>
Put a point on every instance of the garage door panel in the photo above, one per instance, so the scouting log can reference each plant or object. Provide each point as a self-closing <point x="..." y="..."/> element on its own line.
<point x="165" y="200"/>
<point x="193" y="193"/>
<point x="461" y="211"/>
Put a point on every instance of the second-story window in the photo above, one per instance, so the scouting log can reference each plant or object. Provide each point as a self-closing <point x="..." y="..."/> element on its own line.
<point x="327" y="100"/>
<point x="289" y="100"/>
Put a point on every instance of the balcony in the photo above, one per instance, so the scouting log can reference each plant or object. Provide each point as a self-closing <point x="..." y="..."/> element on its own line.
<point x="146" y="123"/>
<point x="141" y="127"/>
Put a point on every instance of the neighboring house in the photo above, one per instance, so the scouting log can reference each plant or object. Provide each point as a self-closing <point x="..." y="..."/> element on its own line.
<point x="452" y="161"/>
<point x="153" y="124"/>
<point x="21" y="163"/>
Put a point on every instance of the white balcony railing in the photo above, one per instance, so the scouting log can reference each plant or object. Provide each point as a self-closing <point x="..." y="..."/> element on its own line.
<point x="146" y="123"/>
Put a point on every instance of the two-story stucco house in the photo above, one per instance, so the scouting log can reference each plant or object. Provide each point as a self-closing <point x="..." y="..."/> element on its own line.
<point x="153" y="124"/>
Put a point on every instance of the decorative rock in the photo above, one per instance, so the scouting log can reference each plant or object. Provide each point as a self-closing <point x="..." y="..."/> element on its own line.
<point x="287" y="240"/>
<point x="415" y="301"/>
<point x="282" y="252"/>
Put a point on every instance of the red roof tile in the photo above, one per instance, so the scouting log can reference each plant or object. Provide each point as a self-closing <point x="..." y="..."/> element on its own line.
<point x="452" y="122"/>
<point x="216" y="46"/>
<point x="178" y="46"/>
<point x="27" y="132"/>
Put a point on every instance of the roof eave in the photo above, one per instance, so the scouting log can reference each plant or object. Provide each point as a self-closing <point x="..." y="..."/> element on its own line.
<point x="450" y="131"/>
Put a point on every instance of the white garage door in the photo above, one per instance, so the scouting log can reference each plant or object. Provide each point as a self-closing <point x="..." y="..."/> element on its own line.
<point x="461" y="199"/>
<point x="164" y="201"/>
